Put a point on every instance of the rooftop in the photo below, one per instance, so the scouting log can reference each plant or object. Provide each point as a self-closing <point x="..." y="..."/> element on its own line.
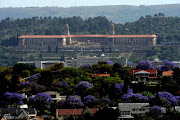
<point x="74" y="36"/>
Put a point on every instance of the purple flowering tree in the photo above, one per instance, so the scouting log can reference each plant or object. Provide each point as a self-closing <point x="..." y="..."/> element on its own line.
<point x="41" y="101"/>
<point x="144" y="65"/>
<point x="105" y="102"/>
<point x="119" y="89"/>
<point x="90" y="100"/>
<point x="172" y="101"/>
<point x="13" y="98"/>
<point x="110" y="62"/>
<point x="169" y="64"/>
<point x="35" y="77"/>
<point x="83" y="86"/>
<point x="71" y="102"/>
<point x="62" y="85"/>
<point x="32" y="86"/>
<point x="155" y="111"/>
<point x="177" y="99"/>
<point x="134" y="98"/>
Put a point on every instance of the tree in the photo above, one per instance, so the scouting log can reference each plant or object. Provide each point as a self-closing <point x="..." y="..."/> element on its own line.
<point x="134" y="98"/>
<point x="71" y="102"/>
<point x="83" y="86"/>
<point x="169" y="97"/>
<point x="19" y="67"/>
<point x="144" y="65"/>
<point x="90" y="101"/>
<point x="155" y="111"/>
<point x="42" y="101"/>
<point x="69" y="72"/>
<point x="13" y="98"/>
<point x="25" y="73"/>
<point x="57" y="66"/>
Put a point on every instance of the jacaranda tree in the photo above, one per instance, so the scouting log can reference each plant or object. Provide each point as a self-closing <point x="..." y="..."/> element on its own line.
<point x="144" y="65"/>
<point x="156" y="111"/>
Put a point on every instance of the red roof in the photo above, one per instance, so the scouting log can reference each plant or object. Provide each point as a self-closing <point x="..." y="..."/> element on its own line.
<point x="67" y="112"/>
<point x="150" y="71"/>
<point x="71" y="36"/>
<point x="167" y="73"/>
<point x="100" y="75"/>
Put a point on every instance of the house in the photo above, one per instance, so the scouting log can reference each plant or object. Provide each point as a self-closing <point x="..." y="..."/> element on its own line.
<point x="18" y="113"/>
<point x="76" y="113"/>
<point x="56" y="96"/>
<point x="129" y="110"/>
<point x="145" y="76"/>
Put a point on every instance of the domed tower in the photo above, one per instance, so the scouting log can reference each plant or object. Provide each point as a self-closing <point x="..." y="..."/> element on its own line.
<point x="66" y="30"/>
<point x="111" y="29"/>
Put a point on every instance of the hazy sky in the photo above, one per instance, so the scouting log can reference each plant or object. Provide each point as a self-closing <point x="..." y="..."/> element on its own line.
<point x="69" y="3"/>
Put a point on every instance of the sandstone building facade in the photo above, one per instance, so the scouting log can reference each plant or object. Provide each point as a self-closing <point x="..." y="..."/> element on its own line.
<point x="86" y="42"/>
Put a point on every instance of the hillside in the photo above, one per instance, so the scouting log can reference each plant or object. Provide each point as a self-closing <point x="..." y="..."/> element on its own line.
<point x="117" y="13"/>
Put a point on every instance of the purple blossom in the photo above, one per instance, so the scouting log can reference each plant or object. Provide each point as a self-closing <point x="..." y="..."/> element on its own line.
<point x="23" y="84"/>
<point x="13" y="98"/>
<point x="110" y="62"/>
<point x="35" y="77"/>
<point x="90" y="99"/>
<point x="177" y="98"/>
<point x="169" y="64"/>
<point x="32" y="100"/>
<point x="155" y="111"/>
<point x="73" y="101"/>
<point x="134" y="98"/>
<point x="144" y="65"/>
<point x="119" y="88"/>
<point x="62" y="84"/>
<point x="43" y="98"/>
<point x="172" y="101"/>
<point x="82" y="86"/>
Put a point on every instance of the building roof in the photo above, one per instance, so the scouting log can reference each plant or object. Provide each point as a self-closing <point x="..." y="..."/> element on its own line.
<point x="67" y="112"/>
<point x="130" y="106"/>
<point x="17" y="111"/>
<point x="167" y="73"/>
<point x="150" y="71"/>
<point x="100" y="75"/>
<point x="76" y="36"/>
<point x="142" y="72"/>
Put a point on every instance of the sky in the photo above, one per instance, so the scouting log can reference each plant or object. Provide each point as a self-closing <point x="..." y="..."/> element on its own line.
<point x="72" y="3"/>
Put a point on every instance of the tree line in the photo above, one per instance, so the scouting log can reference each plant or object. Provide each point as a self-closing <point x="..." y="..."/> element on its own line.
<point x="166" y="28"/>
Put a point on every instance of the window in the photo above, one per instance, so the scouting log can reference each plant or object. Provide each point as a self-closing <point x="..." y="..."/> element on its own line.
<point x="125" y="113"/>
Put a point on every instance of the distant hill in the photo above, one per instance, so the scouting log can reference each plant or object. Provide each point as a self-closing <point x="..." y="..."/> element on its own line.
<point x="115" y="13"/>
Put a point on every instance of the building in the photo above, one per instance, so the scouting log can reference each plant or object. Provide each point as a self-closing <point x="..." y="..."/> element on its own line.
<point x="18" y="113"/>
<point x="42" y="64"/>
<point x="56" y="96"/>
<point x="87" y="60"/>
<point x="88" y="42"/>
<point x="145" y="76"/>
<point x="129" y="110"/>
<point x="76" y="113"/>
